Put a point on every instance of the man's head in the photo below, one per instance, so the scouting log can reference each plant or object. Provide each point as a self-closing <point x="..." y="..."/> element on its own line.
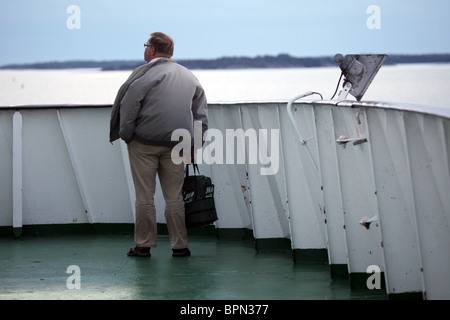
<point x="159" y="45"/>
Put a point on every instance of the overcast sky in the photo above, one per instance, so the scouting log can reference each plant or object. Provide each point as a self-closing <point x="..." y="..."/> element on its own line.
<point x="52" y="30"/>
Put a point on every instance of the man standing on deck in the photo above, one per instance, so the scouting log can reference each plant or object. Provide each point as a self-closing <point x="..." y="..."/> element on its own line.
<point x="158" y="98"/>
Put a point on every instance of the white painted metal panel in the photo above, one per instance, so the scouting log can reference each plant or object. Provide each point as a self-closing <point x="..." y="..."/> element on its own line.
<point x="97" y="165"/>
<point x="426" y="138"/>
<point x="395" y="201"/>
<point x="50" y="191"/>
<point x="6" y="175"/>
<point x="268" y="192"/>
<point x="358" y="190"/>
<point x="330" y="179"/>
<point x="303" y="180"/>
<point x="232" y="195"/>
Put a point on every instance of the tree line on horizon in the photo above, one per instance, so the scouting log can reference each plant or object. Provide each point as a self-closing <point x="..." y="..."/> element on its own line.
<point x="259" y="62"/>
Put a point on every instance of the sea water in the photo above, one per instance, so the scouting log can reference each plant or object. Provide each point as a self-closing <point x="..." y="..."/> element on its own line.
<point x="423" y="84"/>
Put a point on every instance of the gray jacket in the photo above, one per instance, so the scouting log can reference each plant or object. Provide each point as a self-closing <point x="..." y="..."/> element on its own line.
<point x="158" y="98"/>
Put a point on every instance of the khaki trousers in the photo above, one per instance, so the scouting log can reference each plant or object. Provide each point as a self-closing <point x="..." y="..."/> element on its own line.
<point x="147" y="161"/>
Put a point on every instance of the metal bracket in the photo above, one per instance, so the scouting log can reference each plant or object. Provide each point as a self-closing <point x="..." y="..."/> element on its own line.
<point x="342" y="140"/>
<point x="344" y="92"/>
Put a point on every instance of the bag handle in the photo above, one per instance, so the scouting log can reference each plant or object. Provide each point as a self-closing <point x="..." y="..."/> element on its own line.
<point x="195" y="168"/>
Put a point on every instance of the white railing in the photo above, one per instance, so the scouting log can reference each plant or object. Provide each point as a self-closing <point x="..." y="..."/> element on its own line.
<point x="372" y="187"/>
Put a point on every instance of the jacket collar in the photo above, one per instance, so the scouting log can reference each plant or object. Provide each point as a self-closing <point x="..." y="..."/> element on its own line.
<point x="159" y="60"/>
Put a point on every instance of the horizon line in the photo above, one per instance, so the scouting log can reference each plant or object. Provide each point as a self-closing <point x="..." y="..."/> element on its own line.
<point x="17" y="64"/>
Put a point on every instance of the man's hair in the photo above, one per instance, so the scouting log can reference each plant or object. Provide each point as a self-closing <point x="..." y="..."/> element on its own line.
<point x="162" y="43"/>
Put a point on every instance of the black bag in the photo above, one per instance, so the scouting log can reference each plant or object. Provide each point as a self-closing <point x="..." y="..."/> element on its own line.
<point x="198" y="196"/>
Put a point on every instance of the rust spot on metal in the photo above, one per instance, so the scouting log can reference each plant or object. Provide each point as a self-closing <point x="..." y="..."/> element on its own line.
<point x="365" y="221"/>
<point x="366" y="224"/>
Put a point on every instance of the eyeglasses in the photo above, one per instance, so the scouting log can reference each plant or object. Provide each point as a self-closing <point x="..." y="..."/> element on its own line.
<point x="147" y="45"/>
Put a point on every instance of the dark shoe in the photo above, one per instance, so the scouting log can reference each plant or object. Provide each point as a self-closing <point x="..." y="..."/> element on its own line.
<point x="181" y="252"/>
<point x="139" y="252"/>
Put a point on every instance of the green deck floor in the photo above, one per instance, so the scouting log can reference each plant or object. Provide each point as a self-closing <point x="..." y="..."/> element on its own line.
<point x="35" y="268"/>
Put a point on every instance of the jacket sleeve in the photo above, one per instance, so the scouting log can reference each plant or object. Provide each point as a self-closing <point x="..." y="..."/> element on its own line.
<point x="200" y="108"/>
<point x="131" y="105"/>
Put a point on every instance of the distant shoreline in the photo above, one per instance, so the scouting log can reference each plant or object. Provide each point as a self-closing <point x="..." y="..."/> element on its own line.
<point x="260" y="62"/>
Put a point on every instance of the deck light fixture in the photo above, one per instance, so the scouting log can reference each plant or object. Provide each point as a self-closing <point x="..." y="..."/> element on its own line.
<point x="359" y="71"/>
